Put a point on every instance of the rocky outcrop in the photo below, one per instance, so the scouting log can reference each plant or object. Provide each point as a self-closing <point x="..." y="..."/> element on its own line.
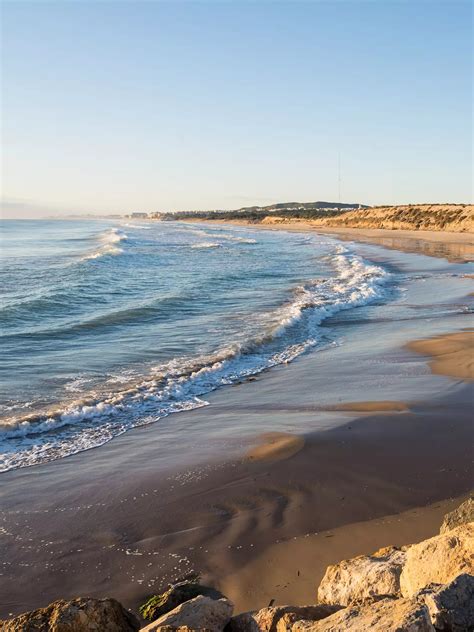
<point x="386" y="615"/>
<point x="181" y="628"/>
<point x="363" y="577"/>
<point x="424" y="587"/>
<point x="79" y="615"/>
<point x="158" y="605"/>
<point x="451" y="607"/>
<point x="438" y="560"/>
<point x="278" y="618"/>
<point x="462" y="515"/>
<point x="198" y="614"/>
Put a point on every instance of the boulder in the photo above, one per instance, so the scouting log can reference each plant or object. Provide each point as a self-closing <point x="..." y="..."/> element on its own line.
<point x="310" y="613"/>
<point x="385" y="615"/>
<point x="451" y="607"/>
<point x="181" y="628"/>
<point x="198" y="614"/>
<point x="462" y="515"/>
<point x="159" y="605"/>
<point x="278" y="618"/>
<point x="438" y="560"/>
<point x="363" y="577"/>
<point x="83" y="614"/>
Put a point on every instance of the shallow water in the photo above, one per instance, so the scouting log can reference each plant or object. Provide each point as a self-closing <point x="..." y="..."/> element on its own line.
<point x="107" y="326"/>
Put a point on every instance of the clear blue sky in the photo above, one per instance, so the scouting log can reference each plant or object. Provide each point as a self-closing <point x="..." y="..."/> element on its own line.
<point x="119" y="106"/>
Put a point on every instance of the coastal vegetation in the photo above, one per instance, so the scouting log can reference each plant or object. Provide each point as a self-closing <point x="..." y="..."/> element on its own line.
<point x="256" y="214"/>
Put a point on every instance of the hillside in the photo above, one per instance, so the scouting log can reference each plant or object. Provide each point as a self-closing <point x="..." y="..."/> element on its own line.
<point x="298" y="210"/>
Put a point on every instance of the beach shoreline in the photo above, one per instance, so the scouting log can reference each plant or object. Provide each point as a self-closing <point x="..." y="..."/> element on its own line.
<point x="116" y="524"/>
<point x="456" y="247"/>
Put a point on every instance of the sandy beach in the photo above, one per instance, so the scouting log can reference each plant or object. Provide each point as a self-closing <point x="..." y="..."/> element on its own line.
<point x="277" y="478"/>
<point x="236" y="307"/>
<point x="456" y="247"/>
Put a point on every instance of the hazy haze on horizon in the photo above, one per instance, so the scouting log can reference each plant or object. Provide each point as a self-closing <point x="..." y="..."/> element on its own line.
<point x="150" y="106"/>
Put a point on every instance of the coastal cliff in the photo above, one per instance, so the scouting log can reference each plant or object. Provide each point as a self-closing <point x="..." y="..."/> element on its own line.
<point x="432" y="217"/>
<point x="423" y="587"/>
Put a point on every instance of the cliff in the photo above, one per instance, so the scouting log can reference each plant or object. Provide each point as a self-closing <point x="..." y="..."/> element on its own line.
<point x="433" y="217"/>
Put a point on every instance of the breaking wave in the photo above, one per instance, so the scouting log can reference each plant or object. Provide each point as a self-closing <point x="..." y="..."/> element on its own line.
<point x="108" y="244"/>
<point x="205" y="244"/>
<point x="284" y="334"/>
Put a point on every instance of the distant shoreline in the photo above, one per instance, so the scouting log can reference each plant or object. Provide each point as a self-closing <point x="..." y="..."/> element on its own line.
<point x="453" y="218"/>
<point x="456" y="247"/>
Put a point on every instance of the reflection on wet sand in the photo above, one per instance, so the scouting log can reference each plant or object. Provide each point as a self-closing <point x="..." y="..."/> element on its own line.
<point x="453" y="251"/>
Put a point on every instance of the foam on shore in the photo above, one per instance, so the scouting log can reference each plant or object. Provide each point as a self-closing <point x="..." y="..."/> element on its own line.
<point x="285" y="333"/>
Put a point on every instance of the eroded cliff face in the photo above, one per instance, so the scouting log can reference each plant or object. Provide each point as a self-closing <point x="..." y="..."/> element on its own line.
<point x="439" y="217"/>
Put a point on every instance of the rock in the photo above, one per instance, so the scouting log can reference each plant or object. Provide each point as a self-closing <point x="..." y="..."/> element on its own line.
<point x="363" y="577"/>
<point x="438" y="560"/>
<point x="278" y="618"/>
<point x="451" y="607"/>
<point x="244" y="622"/>
<point x="311" y="613"/>
<point x="462" y="515"/>
<point x="181" y="628"/>
<point x="385" y="615"/>
<point x="83" y="614"/>
<point x="198" y="613"/>
<point x="159" y="605"/>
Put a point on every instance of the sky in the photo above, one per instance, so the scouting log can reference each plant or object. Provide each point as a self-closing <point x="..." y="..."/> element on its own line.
<point x="114" y="106"/>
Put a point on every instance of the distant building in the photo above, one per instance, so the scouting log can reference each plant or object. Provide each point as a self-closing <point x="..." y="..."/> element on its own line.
<point x="138" y="215"/>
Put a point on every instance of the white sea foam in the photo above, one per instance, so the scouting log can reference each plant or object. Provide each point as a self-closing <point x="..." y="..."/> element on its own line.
<point x="138" y="226"/>
<point x="220" y="235"/>
<point x="286" y="333"/>
<point x="107" y="244"/>
<point x="206" y="244"/>
<point x="236" y="238"/>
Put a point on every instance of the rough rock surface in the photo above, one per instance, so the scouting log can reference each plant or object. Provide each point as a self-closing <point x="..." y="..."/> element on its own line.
<point x="198" y="613"/>
<point x="438" y="560"/>
<point x="278" y="618"/>
<point x="363" y="577"/>
<point x="158" y="605"/>
<point x="181" y="628"/>
<point x="386" y="615"/>
<point x="78" y="615"/>
<point x="451" y="607"/>
<point x="462" y="515"/>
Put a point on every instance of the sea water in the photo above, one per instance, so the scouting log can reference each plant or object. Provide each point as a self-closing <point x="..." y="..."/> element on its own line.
<point x="110" y="325"/>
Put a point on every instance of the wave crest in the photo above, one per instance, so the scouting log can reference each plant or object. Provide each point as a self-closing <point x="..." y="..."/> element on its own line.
<point x="108" y="241"/>
<point x="287" y="332"/>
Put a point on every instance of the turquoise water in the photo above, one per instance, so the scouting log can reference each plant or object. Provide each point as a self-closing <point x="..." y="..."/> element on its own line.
<point x="110" y="325"/>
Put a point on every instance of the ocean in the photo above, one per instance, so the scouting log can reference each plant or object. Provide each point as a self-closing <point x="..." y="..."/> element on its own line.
<point x="110" y="325"/>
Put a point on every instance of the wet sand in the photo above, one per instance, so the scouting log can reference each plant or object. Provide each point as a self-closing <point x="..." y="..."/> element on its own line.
<point x="451" y="354"/>
<point x="275" y="446"/>
<point x="130" y="536"/>
<point x="344" y="477"/>
<point x="372" y="407"/>
<point x="293" y="569"/>
<point x="455" y="247"/>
